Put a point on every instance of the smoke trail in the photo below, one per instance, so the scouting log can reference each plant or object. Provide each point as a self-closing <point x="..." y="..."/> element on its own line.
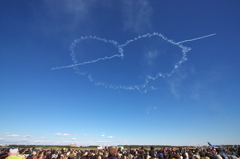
<point x="87" y="62"/>
<point x="144" y="87"/>
<point x="196" y="38"/>
<point x="73" y="55"/>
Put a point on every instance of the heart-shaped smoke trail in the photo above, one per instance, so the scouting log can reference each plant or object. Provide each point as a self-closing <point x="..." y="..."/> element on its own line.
<point x="144" y="86"/>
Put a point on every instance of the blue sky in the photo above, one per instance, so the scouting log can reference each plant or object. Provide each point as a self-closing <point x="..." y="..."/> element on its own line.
<point x="151" y="90"/>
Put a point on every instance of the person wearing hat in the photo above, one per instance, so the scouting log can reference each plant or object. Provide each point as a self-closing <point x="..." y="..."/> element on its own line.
<point x="13" y="154"/>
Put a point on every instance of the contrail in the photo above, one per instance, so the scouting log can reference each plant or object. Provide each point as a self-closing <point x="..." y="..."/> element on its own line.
<point x="196" y="38"/>
<point x="87" y="62"/>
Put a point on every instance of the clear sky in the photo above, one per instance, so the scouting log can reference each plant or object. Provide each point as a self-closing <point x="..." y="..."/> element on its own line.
<point x="111" y="72"/>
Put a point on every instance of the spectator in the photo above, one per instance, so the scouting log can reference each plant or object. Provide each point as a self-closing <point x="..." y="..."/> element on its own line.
<point x="13" y="154"/>
<point x="113" y="153"/>
<point x="152" y="153"/>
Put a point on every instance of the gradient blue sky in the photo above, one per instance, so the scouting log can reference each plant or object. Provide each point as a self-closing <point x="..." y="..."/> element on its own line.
<point x="198" y="102"/>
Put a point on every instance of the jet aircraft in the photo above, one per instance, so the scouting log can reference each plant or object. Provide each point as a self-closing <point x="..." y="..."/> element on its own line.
<point x="215" y="146"/>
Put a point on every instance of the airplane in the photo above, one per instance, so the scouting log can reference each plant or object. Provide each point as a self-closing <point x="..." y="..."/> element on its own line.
<point x="215" y="146"/>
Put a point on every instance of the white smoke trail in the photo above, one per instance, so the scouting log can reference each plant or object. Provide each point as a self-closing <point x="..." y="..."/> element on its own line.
<point x="196" y="38"/>
<point x="143" y="87"/>
<point x="73" y="55"/>
<point x="87" y="62"/>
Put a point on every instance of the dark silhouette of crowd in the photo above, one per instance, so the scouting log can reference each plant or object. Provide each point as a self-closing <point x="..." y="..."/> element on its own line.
<point x="120" y="153"/>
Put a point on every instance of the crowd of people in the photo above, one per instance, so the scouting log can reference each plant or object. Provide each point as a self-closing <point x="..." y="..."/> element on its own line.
<point x="119" y="153"/>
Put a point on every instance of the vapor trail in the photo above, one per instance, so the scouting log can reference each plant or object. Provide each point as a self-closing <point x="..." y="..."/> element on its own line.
<point x="196" y="38"/>
<point x="87" y="62"/>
